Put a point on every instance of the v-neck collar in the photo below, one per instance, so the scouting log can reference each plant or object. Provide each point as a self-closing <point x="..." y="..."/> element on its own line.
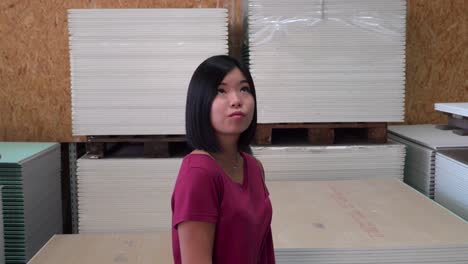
<point x="221" y="170"/>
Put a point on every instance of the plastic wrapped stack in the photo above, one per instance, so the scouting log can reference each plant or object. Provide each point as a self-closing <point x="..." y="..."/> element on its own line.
<point x="328" y="60"/>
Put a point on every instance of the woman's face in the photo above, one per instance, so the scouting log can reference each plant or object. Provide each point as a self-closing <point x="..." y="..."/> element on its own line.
<point x="233" y="107"/>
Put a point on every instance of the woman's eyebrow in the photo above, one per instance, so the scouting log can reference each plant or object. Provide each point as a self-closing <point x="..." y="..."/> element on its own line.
<point x="241" y="82"/>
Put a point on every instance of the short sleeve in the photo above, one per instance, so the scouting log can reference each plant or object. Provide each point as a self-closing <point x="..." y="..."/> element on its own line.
<point x="195" y="197"/>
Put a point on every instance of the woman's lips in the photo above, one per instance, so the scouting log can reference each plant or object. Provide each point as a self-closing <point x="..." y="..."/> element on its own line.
<point x="237" y="115"/>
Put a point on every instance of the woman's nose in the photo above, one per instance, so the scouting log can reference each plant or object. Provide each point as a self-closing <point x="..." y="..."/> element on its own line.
<point x="235" y="100"/>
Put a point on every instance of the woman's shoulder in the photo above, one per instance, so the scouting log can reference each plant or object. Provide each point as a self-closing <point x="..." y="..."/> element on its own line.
<point x="199" y="159"/>
<point x="198" y="169"/>
<point x="199" y="152"/>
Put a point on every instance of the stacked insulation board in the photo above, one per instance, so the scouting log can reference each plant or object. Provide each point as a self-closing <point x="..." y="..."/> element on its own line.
<point x="31" y="194"/>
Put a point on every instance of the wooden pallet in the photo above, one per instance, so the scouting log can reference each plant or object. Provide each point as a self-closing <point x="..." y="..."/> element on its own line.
<point x="323" y="133"/>
<point x="160" y="146"/>
<point x="458" y="124"/>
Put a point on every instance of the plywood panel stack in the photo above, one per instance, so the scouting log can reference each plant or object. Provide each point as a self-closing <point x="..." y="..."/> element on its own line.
<point x="138" y="248"/>
<point x="363" y="221"/>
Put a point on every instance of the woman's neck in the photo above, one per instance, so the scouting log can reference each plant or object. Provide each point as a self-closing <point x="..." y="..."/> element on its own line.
<point x="229" y="147"/>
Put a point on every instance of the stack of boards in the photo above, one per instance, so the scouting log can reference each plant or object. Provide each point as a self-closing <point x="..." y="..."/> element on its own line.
<point x="451" y="170"/>
<point x="422" y="143"/>
<point x="320" y="61"/>
<point x="451" y="180"/>
<point x="363" y="221"/>
<point x="135" y="248"/>
<point x="286" y="163"/>
<point x="31" y="197"/>
<point x="133" y="194"/>
<point x="458" y="109"/>
<point x="2" y="232"/>
<point x="341" y="221"/>
<point x="130" y="68"/>
<point x="125" y="194"/>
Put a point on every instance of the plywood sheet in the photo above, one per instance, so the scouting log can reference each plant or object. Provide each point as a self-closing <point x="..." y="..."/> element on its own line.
<point x="106" y="249"/>
<point x="360" y="214"/>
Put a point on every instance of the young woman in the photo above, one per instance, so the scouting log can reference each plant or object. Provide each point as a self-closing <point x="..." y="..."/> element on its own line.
<point x="221" y="211"/>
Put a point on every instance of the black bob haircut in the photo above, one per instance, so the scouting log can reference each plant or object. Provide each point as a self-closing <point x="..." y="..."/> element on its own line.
<point x="202" y="90"/>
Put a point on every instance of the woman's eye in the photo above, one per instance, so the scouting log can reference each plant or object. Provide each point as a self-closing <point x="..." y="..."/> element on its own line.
<point x="245" y="89"/>
<point x="221" y="91"/>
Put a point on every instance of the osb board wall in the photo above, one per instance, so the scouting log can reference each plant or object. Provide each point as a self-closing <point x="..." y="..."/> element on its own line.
<point x="35" y="102"/>
<point x="34" y="62"/>
<point x="437" y="57"/>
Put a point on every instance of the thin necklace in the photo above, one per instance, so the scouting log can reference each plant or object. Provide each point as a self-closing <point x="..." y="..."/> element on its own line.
<point x="236" y="164"/>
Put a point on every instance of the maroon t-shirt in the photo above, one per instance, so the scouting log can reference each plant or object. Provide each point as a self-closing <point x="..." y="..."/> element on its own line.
<point x="242" y="212"/>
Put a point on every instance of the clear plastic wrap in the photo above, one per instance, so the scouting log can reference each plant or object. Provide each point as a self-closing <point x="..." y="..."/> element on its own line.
<point x="327" y="60"/>
<point x="383" y="17"/>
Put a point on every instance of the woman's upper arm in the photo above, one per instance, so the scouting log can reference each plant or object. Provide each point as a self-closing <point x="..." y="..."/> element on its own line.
<point x="196" y="242"/>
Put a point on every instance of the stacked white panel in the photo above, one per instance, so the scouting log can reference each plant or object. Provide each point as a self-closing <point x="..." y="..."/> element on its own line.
<point x="451" y="176"/>
<point x="130" y="68"/>
<point x="419" y="169"/>
<point x="328" y="61"/>
<point x="460" y="109"/>
<point x="429" y="136"/>
<point x="125" y="195"/>
<point x="423" y="142"/>
<point x="285" y="163"/>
